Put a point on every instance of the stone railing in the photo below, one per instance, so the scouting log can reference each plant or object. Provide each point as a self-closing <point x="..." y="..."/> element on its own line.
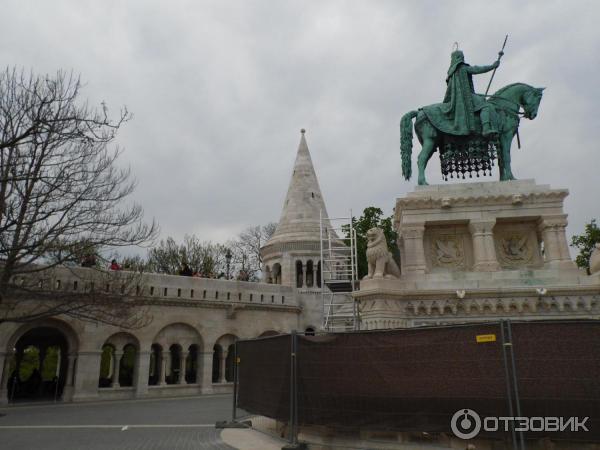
<point x="159" y="288"/>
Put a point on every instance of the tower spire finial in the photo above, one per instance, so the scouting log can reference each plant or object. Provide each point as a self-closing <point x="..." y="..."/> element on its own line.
<point x="300" y="216"/>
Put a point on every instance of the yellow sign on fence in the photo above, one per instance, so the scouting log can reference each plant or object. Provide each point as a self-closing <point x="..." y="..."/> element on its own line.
<point x="485" y="338"/>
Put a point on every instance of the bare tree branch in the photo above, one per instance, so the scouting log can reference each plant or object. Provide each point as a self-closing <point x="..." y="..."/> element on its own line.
<point x="246" y="250"/>
<point x="61" y="190"/>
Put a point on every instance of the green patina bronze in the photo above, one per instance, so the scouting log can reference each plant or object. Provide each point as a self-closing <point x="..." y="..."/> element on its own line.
<point x="469" y="130"/>
<point x="456" y="115"/>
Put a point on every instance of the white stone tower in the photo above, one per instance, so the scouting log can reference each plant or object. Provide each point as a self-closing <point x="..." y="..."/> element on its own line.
<point x="291" y="256"/>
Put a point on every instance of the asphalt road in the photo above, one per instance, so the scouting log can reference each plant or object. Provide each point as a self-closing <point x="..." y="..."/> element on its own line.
<point x="170" y="424"/>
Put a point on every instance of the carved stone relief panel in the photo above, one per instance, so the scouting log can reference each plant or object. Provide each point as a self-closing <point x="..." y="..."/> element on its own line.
<point x="517" y="245"/>
<point x="448" y="251"/>
<point x="448" y="248"/>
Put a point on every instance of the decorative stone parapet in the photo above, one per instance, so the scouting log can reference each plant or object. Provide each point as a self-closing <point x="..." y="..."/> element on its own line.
<point x="160" y="289"/>
<point x="386" y="305"/>
<point x="512" y="225"/>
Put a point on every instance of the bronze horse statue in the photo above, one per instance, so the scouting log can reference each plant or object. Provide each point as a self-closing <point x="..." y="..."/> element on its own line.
<point x="468" y="154"/>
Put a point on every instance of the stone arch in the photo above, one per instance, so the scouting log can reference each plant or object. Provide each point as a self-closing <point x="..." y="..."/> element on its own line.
<point x="299" y="274"/>
<point x="191" y="364"/>
<point x="319" y="274"/>
<point x="276" y="273"/>
<point x="40" y="361"/>
<point x="170" y="350"/>
<point x="121" y="339"/>
<point x="178" y="333"/>
<point x="127" y="366"/>
<point x="155" y="369"/>
<point x="118" y="360"/>
<point x="62" y="326"/>
<point x="268" y="278"/>
<point x="216" y="363"/>
<point x="269" y="333"/>
<point x="223" y="359"/>
<point x="310" y="274"/>
<point x="175" y="357"/>
<point x="107" y="366"/>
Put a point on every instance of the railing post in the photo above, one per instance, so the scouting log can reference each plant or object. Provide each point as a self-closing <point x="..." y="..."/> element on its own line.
<point x="505" y="345"/>
<point x="515" y="382"/>
<point x="295" y="389"/>
<point x="292" y="432"/>
<point x="235" y="381"/>
<point x="512" y="389"/>
<point x="234" y="422"/>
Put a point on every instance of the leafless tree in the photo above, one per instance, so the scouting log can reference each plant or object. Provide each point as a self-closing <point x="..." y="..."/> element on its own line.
<point x="204" y="258"/>
<point x="62" y="194"/>
<point x="246" y="249"/>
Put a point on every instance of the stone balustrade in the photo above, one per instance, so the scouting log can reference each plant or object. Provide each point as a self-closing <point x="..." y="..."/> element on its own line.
<point x="157" y="288"/>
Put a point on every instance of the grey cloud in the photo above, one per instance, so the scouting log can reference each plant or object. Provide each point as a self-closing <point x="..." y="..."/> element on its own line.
<point x="220" y="90"/>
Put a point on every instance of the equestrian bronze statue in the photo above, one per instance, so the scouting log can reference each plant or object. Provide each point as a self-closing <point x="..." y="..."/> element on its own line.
<point x="468" y="130"/>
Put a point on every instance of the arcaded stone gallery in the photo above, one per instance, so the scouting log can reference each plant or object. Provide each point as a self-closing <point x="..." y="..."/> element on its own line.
<point x="469" y="252"/>
<point x="187" y="346"/>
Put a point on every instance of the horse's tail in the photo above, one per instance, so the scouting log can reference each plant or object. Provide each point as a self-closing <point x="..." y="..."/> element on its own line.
<point x="406" y="136"/>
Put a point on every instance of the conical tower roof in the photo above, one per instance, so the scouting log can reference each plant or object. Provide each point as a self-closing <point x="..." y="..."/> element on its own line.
<point x="300" y="215"/>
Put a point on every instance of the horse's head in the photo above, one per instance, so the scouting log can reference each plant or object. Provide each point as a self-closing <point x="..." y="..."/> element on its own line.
<point x="530" y="101"/>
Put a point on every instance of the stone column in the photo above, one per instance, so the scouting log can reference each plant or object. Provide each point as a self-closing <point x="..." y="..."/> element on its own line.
<point x="556" y="247"/>
<point x="141" y="373"/>
<point x="69" y="380"/>
<point x="117" y="367"/>
<point x="288" y="271"/>
<point x="304" y="274"/>
<point x="484" y="250"/>
<point x="42" y="357"/>
<point x="87" y="369"/>
<point x="165" y="366"/>
<point x="222" y="366"/>
<point x="182" y="367"/>
<point x="204" y="376"/>
<point x="4" y="377"/>
<point x="72" y="357"/>
<point x="412" y="235"/>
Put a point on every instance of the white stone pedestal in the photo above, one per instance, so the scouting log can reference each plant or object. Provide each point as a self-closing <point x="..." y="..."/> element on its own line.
<point x="479" y="251"/>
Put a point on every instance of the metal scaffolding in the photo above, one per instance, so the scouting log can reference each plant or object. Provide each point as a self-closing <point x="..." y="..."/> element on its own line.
<point x="339" y="273"/>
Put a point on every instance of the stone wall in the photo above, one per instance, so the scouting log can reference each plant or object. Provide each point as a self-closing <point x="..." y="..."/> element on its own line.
<point x="190" y="318"/>
<point x="480" y="251"/>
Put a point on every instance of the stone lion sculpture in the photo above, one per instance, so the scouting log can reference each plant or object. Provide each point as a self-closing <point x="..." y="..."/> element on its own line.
<point x="381" y="262"/>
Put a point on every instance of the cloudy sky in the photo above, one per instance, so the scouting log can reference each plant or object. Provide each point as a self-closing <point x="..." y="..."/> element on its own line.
<point x="221" y="89"/>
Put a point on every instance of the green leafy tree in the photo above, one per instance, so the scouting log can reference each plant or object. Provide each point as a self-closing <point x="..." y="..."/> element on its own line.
<point x="373" y="217"/>
<point x="585" y="243"/>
